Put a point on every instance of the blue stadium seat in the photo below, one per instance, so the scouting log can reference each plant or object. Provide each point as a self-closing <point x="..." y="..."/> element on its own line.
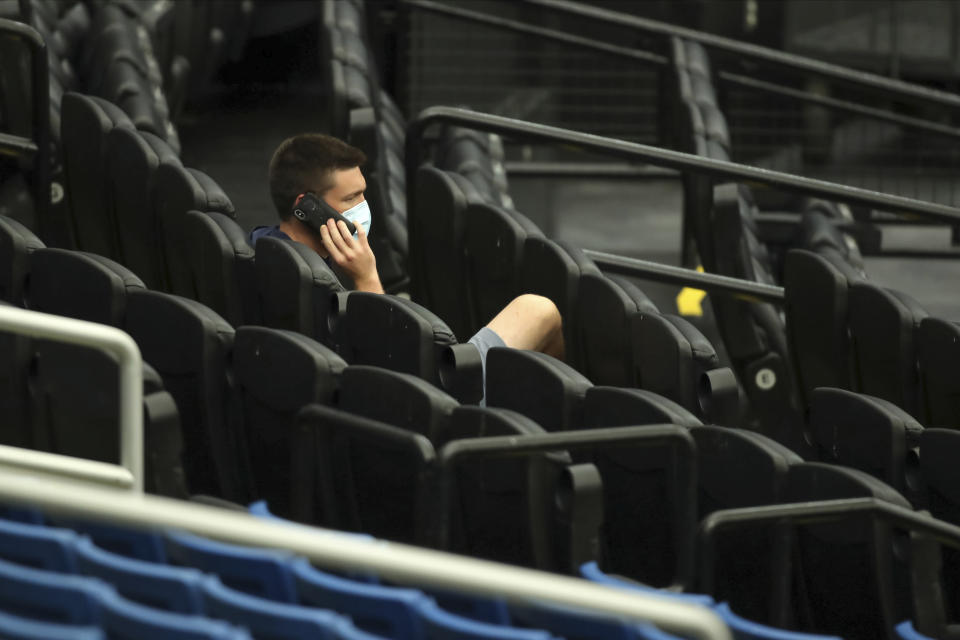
<point x="386" y="611"/>
<point x="124" y="620"/>
<point x="592" y="572"/>
<point x="257" y="572"/>
<point x="127" y="541"/>
<point x="443" y="625"/>
<point x="38" y="546"/>
<point x="275" y="620"/>
<point x="164" y="587"/>
<point x="17" y="628"/>
<point x="581" y="625"/>
<point x="906" y="631"/>
<point x="747" y="630"/>
<point x="49" y="596"/>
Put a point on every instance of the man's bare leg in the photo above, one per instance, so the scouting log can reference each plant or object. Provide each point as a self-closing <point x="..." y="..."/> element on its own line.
<point x="531" y="322"/>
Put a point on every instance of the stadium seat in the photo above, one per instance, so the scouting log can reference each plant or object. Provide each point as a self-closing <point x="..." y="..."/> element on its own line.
<point x="16" y="628"/>
<point x="38" y="546"/>
<point x="309" y="373"/>
<point x="442" y="625"/>
<point x="132" y="161"/>
<point x="906" y="631"/>
<point x="398" y="399"/>
<point x="368" y="476"/>
<point x="86" y="122"/>
<point x="294" y="288"/>
<point x="17" y="243"/>
<point x="883" y="326"/>
<point x="259" y="572"/>
<point x="267" y="618"/>
<point x="622" y="407"/>
<point x="536" y="385"/>
<point x="189" y="346"/>
<point x="146" y="545"/>
<point x="389" y="332"/>
<point x="176" y="191"/>
<point x="938" y="345"/>
<point x="748" y="630"/>
<point x="222" y="267"/>
<point x="174" y="589"/>
<point x="581" y="625"/>
<point x="126" y="620"/>
<point x="867" y="433"/>
<point x="50" y="597"/>
<point x="591" y="571"/>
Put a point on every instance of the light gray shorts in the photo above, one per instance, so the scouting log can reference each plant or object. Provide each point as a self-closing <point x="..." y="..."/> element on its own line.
<point x="484" y="340"/>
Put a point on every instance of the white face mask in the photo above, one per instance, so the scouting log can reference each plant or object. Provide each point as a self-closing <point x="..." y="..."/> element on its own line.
<point x="359" y="215"/>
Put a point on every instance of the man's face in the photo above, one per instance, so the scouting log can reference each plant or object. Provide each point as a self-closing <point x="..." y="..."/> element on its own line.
<point x="347" y="190"/>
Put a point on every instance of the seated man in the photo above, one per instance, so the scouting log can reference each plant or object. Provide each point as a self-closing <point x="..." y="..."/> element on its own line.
<point x="330" y="168"/>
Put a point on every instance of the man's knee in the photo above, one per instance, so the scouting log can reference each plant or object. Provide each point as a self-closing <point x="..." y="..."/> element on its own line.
<point x="539" y="309"/>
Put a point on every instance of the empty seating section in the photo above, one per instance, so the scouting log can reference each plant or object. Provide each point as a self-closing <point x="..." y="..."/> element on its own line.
<point x="640" y="461"/>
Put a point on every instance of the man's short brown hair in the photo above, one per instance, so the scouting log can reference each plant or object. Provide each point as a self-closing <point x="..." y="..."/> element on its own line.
<point x="299" y="162"/>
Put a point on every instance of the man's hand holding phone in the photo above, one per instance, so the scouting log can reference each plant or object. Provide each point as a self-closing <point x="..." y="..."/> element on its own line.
<point x="354" y="256"/>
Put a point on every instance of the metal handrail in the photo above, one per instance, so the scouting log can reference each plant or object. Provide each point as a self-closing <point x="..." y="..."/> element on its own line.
<point x="648" y="57"/>
<point x="904" y="90"/>
<point x="38" y="147"/>
<point x="129" y="474"/>
<point x="393" y="561"/>
<point x="685" y="162"/>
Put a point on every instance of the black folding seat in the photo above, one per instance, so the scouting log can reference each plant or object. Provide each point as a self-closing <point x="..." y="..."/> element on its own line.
<point x="436" y="241"/>
<point x="493" y="244"/>
<point x="132" y="160"/>
<point x="125" y="86"/>
<point x="16" y="244"/>
<point x="221" y="264"/>
<point x="76" y="401"/>
<point x="85" y="123"/>
<point x="276" y="373"/>
<point x="553" y="271"/>
<point x="753" y="333"/>
<point x="478" y="157"/>
<point x="938" y="350"/>
<point x="815" y="305"/>
<point x="624" y="407"/>
<point x="851" y="579"/>
<point x="177" y="190"/>
<point x="398" y="399"/>
<point x="390" y="332"/>
<point x="536" y="385"/>
<point x="294" y="288"/>
<point x="605" y="318"/>
<point x="883" y="325"/>
<point x="357" y="474"/>
<point x="738" y="468"/>
<point x="190" y="347"/>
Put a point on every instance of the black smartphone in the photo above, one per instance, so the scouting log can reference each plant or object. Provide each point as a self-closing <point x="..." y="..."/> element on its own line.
<point x="313" y="211"/>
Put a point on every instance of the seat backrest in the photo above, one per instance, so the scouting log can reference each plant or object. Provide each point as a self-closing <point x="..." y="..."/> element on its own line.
<point x="536" y="385"/>
<point x="260" y="572"/>
<point x="190" y="346"/>
<point x="124" y="619"/>
<point x="222" y="267"/>
<point x="132" y="160"/>
<point x="493" y="252"/>
<point x="38" y="546"/>
<point x="173" y="589"/>
<point x="16" y="244"/>
<point x="397" y="399"/>
<point x="390" y="332"/>
<point x="624" y="407"/>
<point x="939" y="449"/>
<point x="883" y="326"/>
<point x="938" y="350"/>
<point x="18" y="628"/>
<point x="276" y="373"/>
<point x="294" y="288"/>
<point x="439" y="623"/>
<point x="176" y="191"/>
<point x="815" y="306"/>
<point x="605" y="313"/>
<point x="370" y="476"/>
<point x="49" y="596"/>
<point x="85" y="123"/>
<point x="386" y="611"/>
<point x="867" y="433"/>
<point x="436" y="241"/>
